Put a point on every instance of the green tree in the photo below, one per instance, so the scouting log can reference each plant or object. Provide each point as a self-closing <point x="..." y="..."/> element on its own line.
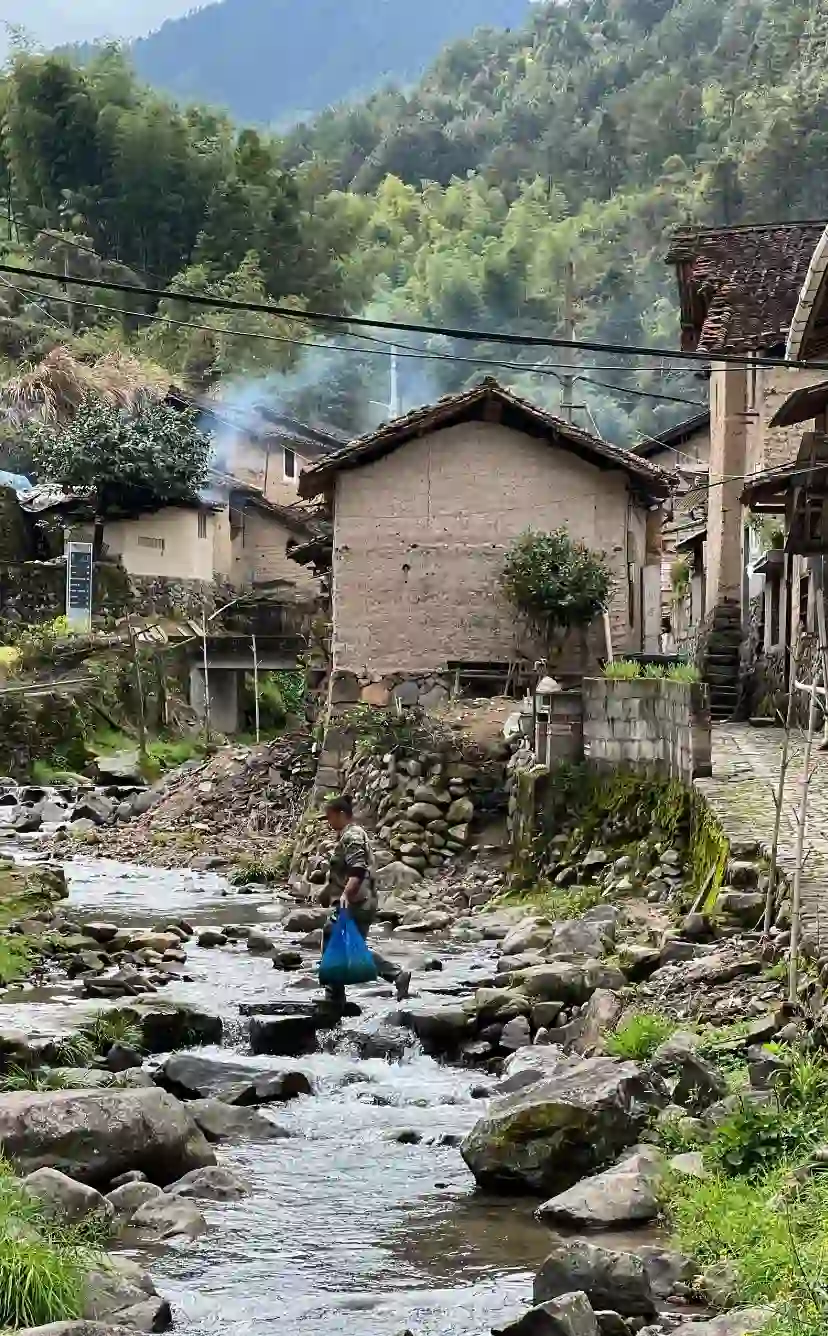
<point x="557" y="583"/>
<point x="129" y="462"/>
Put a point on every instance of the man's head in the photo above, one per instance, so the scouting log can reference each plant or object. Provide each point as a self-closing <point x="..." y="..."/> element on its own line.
<point x="339" y="812"/>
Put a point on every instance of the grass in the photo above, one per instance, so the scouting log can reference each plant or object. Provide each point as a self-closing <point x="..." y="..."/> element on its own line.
<point x="640" y="1035"/>
<point x="42" y="1264"/>
<point x="96" y="1038"/>
<point x="22" y="1078"/>
<point x="168" y="753"/>
<point x="45" y="772"/>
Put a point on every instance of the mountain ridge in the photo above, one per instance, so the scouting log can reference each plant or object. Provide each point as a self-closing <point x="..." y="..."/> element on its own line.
<point x="225" y="53"/>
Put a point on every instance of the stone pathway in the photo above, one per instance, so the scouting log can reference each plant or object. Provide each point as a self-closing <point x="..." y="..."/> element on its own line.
<point x="741" y="793"/>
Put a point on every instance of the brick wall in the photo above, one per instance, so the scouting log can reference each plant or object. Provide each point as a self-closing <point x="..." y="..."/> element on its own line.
<point x="653" y="725"/>
<point x="420" y="537"/>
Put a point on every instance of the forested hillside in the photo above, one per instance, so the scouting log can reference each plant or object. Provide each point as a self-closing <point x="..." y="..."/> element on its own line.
<point x="271" y="61"/>
<point x="586" y="136"/>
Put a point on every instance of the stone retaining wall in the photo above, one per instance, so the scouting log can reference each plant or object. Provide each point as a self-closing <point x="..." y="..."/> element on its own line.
<point x="651" y="724"/>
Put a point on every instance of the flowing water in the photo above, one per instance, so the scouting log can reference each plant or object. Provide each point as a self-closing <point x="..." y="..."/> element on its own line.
<point x="346" y="1230"/>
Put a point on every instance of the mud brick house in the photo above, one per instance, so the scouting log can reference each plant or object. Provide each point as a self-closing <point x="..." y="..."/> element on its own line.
<point x="423" y="511"/>
<point x="739" y="289"/>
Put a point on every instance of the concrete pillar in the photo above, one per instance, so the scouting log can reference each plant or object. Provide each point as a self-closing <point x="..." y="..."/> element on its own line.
<point x="224" y="698"/>
<point x="728" y="439"/>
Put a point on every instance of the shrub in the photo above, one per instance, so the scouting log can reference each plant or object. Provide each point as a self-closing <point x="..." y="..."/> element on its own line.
<point x="757" y="1137"/>
<point x="264" y="871"/>
<point x="639" y="1036"/>
<point x="622" y="670"/>
<point x="42" y="1265"/>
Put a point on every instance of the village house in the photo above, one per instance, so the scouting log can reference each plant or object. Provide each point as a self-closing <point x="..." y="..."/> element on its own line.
<point x="738" y="290"/>
<point x="791" y="496"/>
<point x="684" y="449"/>
<point x="423" y="512"/>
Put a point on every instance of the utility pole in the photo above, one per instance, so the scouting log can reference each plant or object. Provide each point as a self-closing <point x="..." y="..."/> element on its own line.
<point x="568" y="377"/>
<point x="395" y="393"/>
<point x="256" y="690"/>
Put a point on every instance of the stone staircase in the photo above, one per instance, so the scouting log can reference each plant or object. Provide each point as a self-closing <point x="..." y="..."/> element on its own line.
<point x="720" y="665"/>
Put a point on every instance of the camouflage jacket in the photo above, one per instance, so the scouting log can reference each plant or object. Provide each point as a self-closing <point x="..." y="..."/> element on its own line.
<point x="352" y="855"/>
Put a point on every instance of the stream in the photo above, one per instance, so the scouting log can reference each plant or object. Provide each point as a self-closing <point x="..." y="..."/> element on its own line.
<point x="346" y="1229"/>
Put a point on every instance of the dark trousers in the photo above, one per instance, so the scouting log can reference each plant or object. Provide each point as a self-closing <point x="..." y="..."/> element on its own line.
<point x="362" y="917"/>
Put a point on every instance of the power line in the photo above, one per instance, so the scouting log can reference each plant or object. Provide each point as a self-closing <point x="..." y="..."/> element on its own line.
<point x="365" y="322"/>
<point x="547" y="369"/>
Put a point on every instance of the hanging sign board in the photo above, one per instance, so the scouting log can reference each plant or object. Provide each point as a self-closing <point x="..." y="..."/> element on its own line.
<point x="79" y="586"/>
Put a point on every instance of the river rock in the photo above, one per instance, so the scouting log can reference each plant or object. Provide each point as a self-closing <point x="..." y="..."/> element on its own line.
<point x="626" y="1194"/>
<point x="168" y="1218"/>
<point x="94" y="807"/>
<point x="377" y="1039"/>
<point x="258" y="942"/>
<point x="95" y="1135"/>
<point x="569" y="1315"/>
<point x="395" y="877"/>
<point x="545" y="1137"/>
<point x="101" y="932"/>
<point x="614" y="1280"/>
<point x="63" y="1198"/>
<point x="212" y="937"/>
<point x="600" y="1015"/>
<point x="128" y="1198"/>
<point x="227" y="1122"/>
<point x="558" y="981"/>
<point x="693" y="1083"/>
<point x="215" y="1183"/>
<point x="440" y="1029"/>
<point x="306" y="920"/>
<point x="287" y="1035"/>
<point x="115" y="1287"/>
<point x="166" y="1026"/>
<point x="192" y="1076"/>
<point x="120" y="768"/>
<point x="742" y="1322"/>
<point x="79" y="1329"/>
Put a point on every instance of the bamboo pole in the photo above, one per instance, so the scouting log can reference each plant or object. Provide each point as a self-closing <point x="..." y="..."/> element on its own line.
<point x="256" y="688"/>
<point x="139" y="687"/>
<point x="206" y="673"/>
<point x="796" y="905"/>
<point x="779" y="796"/>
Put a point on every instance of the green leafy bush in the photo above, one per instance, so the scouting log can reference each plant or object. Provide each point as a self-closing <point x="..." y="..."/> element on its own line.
<point x="268" y="871"/>
<point x="555" y="581"/>
<point x="640" y="1035"/>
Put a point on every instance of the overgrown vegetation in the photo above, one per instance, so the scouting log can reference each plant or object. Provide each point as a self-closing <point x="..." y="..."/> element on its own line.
<point x="265" y="871"/>
<point x="763" y="1210"/>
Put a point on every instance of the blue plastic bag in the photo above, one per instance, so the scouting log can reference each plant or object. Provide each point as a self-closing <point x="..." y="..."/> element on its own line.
<point x="346" y="958"/>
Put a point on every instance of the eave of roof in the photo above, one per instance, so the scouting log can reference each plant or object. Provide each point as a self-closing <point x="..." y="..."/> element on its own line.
<point x="739" y="286"/>
<point x="469" y="406"/>
<point x="673" y="436"/>
<point x="802" y="405"/>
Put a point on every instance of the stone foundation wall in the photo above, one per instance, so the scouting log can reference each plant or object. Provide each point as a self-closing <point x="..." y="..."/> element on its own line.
<point x="650" y="725"/>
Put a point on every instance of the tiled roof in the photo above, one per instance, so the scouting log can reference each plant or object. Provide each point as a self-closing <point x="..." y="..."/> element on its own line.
<point x="474" y="404"/>
<point x="739" y="286"/>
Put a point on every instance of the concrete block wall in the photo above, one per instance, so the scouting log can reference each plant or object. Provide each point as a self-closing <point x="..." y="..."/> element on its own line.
<point x="653" y="725"/>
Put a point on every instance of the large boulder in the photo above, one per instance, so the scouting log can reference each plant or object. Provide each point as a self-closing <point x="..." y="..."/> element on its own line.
<point x="286" y="1036"/>
<point x="169" y="1218"/>
<point x="96" y="1135"/>
<point x="546" y="1136"/>
<point x="214" y="1184"/>
<point x="570" y="1315"/>
<point x="440" y="1028"/>
<point x="626" y="1194"/>
<point x="129" y="1197"/>
<point x="64" y="1199"/>
<point x="191" y="1076"/>
<point x="613" y="1280"/>
<point x="166" y="1026"/>
<point x="116" y="1289"/>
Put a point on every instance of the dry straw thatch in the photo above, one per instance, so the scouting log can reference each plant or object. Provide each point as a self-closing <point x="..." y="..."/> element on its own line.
<point x="53" y="391"/>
